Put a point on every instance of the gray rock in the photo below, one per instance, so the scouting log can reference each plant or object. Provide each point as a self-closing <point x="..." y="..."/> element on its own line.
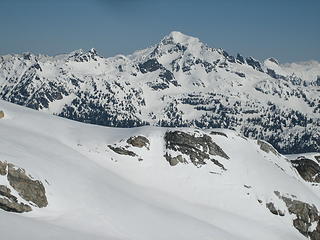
<point x="315" y="235"/>
<point x="301" y="226"/>
<point x="29" y="189"/>
<point x="240" y="59"/>
<point x="150" y="65"/>
<point x="174" y="160"/>
<point x="240" y="74"/>
<point x="9" y="203"/>
<point x="272" y="208"/>
<point x="266" y="147"/>
<point x="139" y="141"/>
<point x="274" y="60"/>
<point x="255" y="64"/>
<point x="306" y="215"/>
<point x="122" y="151"/>
<point x="10" y="206"/>
<point x="199" y="149"/>
<point x="308" y="169"/>
<point x="3" y="168"/>
<point x="6" y="192"/>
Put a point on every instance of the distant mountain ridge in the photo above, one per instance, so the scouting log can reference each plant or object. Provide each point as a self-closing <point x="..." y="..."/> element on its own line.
<point x="178" y="82"/>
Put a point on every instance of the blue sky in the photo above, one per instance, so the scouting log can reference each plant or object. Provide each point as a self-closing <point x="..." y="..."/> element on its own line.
<point x="287" y="30"/>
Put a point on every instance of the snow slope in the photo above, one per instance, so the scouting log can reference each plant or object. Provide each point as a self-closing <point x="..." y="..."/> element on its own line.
<point x="95" y="193"/>
<point x="178" y="82"/>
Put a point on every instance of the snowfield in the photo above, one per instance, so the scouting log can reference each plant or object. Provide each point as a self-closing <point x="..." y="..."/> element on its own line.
<point x="178" y="82"/>
<point x="96" y="193"/>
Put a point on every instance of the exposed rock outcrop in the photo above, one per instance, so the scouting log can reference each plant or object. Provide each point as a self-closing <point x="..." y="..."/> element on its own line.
<point x="3" y="168"/>
<point x="9" y="203"/>
<point x="306" y="216"/>
<point x="139" y="141"/>
<point x="174" y="160"/>
<point x="274" y="210"/>
<point x="30" y="190"/>
<point x="308" y="169"/>
<point x="122" y="151"/>
<point x="131" y="143"/>
<point x="197" y="148"/>
<point x="267" y="147"/>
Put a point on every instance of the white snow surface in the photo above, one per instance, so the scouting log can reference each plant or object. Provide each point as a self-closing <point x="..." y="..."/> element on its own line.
<point x="179" y="81"/>
<point x="94" y="193"/>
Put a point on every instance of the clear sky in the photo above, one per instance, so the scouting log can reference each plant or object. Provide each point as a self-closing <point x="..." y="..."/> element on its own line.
<point x="286" y="29"/>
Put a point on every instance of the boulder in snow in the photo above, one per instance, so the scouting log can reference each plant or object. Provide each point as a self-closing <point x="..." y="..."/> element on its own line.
<point x="31" y="191"/>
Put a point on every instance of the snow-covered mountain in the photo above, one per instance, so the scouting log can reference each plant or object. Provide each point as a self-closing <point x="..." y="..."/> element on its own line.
<point x="178" y="82"/>
<point x="83" y="181"/>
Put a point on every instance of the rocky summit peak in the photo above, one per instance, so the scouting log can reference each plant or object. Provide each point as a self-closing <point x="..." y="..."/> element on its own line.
<point x="83" y="56"/>
<point x="177" y="37"/>
<point x="76" y="52"/>
<point x="93" y="51"/>
<point x="273" y="60"/>
<point x="178" y="82"/>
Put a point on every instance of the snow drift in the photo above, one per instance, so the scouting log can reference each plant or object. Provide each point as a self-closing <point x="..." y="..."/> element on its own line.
<point x="153" y="183"/>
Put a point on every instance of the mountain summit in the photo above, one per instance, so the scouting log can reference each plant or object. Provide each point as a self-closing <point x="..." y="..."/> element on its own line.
<point x="178" y="82"/>
<point x="176" y="37"/>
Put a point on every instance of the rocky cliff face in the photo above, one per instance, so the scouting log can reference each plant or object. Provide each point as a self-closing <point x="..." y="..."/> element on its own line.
<point x="308" y="169"/>
<point x="184" y="147"/>
<point x="178" y="82"/>
<point x="21" y="191"/>
<point x="306" y="217"/>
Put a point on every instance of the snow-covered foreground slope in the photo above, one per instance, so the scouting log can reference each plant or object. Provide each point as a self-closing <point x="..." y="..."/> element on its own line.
<point x="178" y="82"/>
<point x="100" y="185"/>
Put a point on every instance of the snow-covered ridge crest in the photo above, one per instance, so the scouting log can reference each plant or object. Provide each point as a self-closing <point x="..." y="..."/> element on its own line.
<point x="178" y="82"/>
<point x="178" y="37"/>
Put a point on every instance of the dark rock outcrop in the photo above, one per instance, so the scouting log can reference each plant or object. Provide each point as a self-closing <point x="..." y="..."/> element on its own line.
<point x="5" y="191"/>
<point x="240" y="74"/>
<point x="174" y="160"/>
<point x="122" y="151"/>
<point x="3" y="168"/>
<point x="255" y="64"/>
<point x="273" y="74"/>
<point x="139" y="141"/>
<point x="30" y="190"/>
<point x="306" y="215"/>
<point x="10" y="203"/>
<point x="267" y="147"/>
<point x="240" y="59"/>
<point x="273" y="209"/>
<point x="308" y="169"/>
<point x="274" y="60"/>
<point x="199" y="149"/>
<point x="150" y="65"/>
